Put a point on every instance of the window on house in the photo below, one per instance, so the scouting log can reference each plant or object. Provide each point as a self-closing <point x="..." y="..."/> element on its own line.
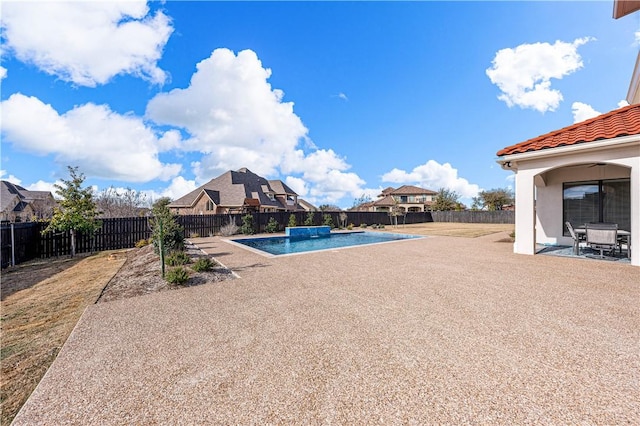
<point x="597" y="201"/>
<point x="210" y="205"/>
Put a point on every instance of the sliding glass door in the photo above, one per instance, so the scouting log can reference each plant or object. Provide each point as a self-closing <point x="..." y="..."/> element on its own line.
<point x="597" y="201"/>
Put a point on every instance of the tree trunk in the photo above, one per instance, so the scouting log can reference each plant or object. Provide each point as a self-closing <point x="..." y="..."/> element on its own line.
<point x="73" y="242"/>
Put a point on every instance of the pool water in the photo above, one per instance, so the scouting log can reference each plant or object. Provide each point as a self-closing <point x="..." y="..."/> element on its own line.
<point x="290" y="245"/>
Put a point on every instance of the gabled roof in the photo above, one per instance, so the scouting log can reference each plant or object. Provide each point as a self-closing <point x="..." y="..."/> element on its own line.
<point x="279" y="187"/>
<point x="388" y="190"/>
<point x="387" y="200"/>
<point x="232" y="188"/>
<point x="10" y="190"/>
<point x="620" y="122"/>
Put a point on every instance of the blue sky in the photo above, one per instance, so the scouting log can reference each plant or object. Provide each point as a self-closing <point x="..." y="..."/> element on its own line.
<point x="337" y="99"/>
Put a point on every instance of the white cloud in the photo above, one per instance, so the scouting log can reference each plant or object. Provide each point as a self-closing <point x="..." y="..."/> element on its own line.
<point x="179" y="186"/>
<point x="297" y="184"/>
<point x="623" y="103"/>
<point x="524" y="74"/>
<point x="87" y="43"/>
<point x="582" y="111"/>
<point x="233" y="114"/>
<point x="3" y="73"/>
<point x="325" y="173"/>
<point x="434" y="176"/>
<point x="10" y="178"/>
<point x="236" y="119"/>
<point x="44" y="186"/>
<point x="637" y="37"/>
<point x="99" y="141"/>
<point x="342" y="96"/>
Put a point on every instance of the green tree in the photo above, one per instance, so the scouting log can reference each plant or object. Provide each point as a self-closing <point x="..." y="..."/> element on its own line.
<point x="495" y="199"/>
<point x="292" y="221"/>
<point x="247" y="225"/>
<point x="76" y="210"/>
<point x="446" y="199"/>
<point x="329" y="208"/>
<point x="327" y="220"/>
<point x="310" y="218"/>
<point x="272" y="226"/>
<point x="167" y="234"/>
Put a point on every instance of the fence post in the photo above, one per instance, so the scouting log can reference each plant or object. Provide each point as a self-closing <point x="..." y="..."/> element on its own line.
<point x="13" y="247"/>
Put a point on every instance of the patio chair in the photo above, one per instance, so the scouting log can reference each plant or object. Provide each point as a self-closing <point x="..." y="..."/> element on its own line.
<point x="602" y="236"/>
<point x="576" y="239"/>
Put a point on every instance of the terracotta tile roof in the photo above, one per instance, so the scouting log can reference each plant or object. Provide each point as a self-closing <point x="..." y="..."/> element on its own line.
<point x="411" y="190"/>
<point x="387" y="200"/>
<point x="620" y="122"/>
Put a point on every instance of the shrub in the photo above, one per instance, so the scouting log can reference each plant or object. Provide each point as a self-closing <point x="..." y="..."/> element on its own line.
<point x="247" y="225"/>
<point x="203" y="264"/>
<point x="292" y="221"/>
<point x="272" y="226"/>
<point x="350" y="226"/>
<point x="176" y="258"/>
<point x="327" y="220"/>
<point x="363" y="225"/>
<point x="166" y="232"/>
<point x="142" y="243"/>
<point x="310" y="219"/>
<point x="177" y="275"/>
<point x="194" y="235"/>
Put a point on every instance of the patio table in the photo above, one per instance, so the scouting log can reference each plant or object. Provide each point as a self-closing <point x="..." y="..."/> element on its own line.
<point x="582" y="232"/>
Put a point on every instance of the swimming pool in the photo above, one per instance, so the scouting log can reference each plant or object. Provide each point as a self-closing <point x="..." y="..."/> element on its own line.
<point x="291" y="245"/>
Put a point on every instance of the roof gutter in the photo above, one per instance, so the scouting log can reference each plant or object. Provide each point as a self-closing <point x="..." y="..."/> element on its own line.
<point x="508" y="161"/>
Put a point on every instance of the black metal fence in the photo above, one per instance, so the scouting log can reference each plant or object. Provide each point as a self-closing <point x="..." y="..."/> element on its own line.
<point x="25" y="241"/>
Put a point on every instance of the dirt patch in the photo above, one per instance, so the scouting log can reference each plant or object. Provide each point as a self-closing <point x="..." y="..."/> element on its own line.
<point x="141" y="274"/>
<point x="452" y="229"/>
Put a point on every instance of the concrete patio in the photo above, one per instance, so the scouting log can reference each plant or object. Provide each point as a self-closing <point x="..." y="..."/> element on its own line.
<point x="436" y="330"/>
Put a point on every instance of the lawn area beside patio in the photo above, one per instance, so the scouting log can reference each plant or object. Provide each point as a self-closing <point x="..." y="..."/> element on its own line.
<point x="451" y="229"/>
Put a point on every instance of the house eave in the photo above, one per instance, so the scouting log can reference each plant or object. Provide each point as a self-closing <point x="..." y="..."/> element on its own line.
<point x="509" y="162"/>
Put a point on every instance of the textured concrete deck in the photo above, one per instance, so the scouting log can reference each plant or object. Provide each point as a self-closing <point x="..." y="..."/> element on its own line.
<point x="437" y="330"/>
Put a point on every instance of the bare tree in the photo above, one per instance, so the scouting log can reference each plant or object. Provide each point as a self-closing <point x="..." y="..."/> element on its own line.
<point x="124" y="203"/>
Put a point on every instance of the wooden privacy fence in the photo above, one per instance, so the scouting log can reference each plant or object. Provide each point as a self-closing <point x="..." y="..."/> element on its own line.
<point x="475" y="216"/>
<point x="24" y="241"/>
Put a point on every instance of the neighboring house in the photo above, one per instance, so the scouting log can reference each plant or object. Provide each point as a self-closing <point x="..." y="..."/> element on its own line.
<point x="306" y="206"/>
<point x="407" y="198"/>
<point x="240" y="191"/>
<point x="20" y="205"/>
<point x="586" y="172"/>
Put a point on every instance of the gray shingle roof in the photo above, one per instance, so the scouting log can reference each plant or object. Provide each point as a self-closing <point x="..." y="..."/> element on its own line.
<point x="8" y="192"/>
<point x="234" y="187"/>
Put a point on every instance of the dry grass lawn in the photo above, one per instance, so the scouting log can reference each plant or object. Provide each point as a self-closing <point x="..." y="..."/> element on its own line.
<point x="468" y="230"/>
<point x="38" y="318"/>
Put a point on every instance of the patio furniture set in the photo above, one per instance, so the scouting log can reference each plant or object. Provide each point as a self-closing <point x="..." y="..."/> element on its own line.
<point x="600" y="236"/>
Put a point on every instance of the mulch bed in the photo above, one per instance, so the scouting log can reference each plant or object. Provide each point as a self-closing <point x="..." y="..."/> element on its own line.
<point x="141" y="275"/>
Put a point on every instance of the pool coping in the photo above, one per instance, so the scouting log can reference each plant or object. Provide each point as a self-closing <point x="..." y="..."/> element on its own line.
<point x="280" y="235"/>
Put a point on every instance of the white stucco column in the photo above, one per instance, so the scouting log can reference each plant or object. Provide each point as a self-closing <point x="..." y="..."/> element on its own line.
<point x="525" y="213"/>
<point x="635" y="212"/>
